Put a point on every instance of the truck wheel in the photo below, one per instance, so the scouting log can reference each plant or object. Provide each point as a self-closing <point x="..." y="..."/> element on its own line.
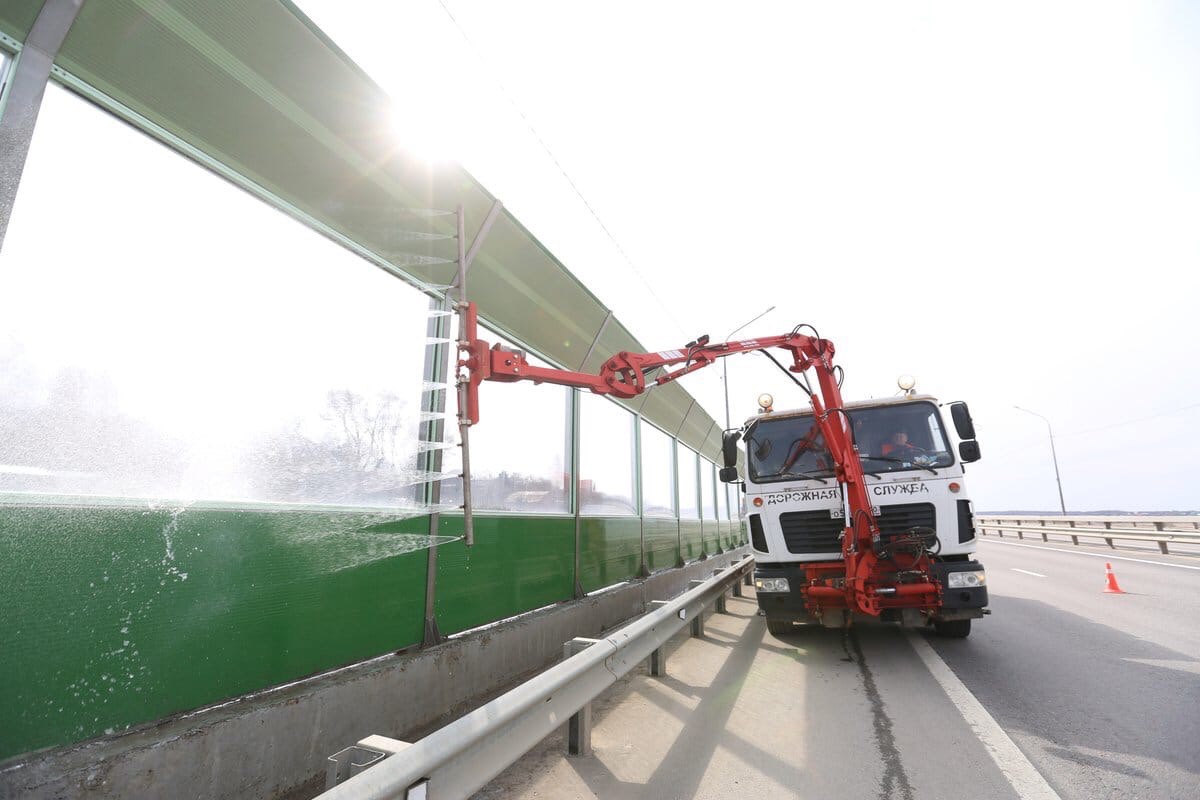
<point x="780" y="626"/>
<point x="953" y="628"/>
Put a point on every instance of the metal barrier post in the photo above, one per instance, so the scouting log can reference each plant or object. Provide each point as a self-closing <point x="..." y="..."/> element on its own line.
<point x="579" y="726"/>
<point x="720" y="598"/>
<point x="1162" y="543"/>
<point x="698" y="620"/>
<point x="658" y="658"/>
<point x="27" y="78"/>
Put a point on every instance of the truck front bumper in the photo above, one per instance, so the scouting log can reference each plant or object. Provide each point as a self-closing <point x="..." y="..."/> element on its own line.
<point x="962" y="603"/>
<point x="960" y="599"/>
<point x="789" y="604"/>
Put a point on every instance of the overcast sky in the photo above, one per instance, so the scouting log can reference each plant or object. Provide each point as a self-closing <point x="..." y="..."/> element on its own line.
<point x="1002" y="199"/>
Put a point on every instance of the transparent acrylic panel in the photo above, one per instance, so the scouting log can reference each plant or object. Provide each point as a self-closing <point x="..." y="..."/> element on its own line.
<point x="5" y="62"/>
<point x="165" y="336"/>
<point x="606" y="458"/>
<point x="658" y="473"/>
<point x="708" y="490"/>
<point x="686" y="468"/>
<point x="722" y="502"/>
<point x="518" y="449"/>
<point x="664" y="406"/>
<point x="696" y="428"/>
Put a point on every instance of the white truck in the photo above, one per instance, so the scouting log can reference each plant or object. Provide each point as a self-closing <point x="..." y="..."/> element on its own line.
<point x="795" y="511"/>
<point x="853" y="509"/>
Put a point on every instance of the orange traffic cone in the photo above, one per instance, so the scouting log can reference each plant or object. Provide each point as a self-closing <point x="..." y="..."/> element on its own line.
<point x="1112" y="587"/>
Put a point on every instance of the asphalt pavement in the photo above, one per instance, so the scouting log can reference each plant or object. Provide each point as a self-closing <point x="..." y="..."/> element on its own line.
<point x="1064" y="691"/>
<point x="1101" y="691"/>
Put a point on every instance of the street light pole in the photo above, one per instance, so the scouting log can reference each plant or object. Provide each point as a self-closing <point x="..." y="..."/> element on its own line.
<point x="725" y="369"/>
<point x="1053" y="455"/>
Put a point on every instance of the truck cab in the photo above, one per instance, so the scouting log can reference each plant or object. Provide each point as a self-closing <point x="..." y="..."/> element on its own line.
<point x="796" y="510"/>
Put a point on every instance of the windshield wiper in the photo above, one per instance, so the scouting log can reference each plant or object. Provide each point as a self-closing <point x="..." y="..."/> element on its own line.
<point x="899" y="461"/>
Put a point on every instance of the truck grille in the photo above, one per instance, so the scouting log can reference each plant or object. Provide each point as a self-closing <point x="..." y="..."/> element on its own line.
<point x="811" y="532"/>
<point x="895" y="520"/>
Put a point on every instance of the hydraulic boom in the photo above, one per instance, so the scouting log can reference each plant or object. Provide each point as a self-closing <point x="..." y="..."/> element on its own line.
<point x="874" y="575"/>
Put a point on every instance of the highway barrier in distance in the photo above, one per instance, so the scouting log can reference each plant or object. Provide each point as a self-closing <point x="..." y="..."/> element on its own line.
<point x="1162" y="531"/>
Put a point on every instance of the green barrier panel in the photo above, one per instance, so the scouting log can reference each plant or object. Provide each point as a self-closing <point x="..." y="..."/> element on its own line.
<point x="691" y="539"/>
<point x="608" y="551"/>
<point x="710" y="537"/>
<point x="118" y="615"/>
<point x="517" y="564"/>
<point x="662" y="543"/>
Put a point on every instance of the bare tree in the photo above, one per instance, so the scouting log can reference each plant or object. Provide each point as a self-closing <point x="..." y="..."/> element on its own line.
<point x="363" y="457"/>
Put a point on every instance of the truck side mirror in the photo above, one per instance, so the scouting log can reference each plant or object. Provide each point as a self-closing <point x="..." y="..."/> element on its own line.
<point x="962" y="420"/>
<point x="729" y="448"/>
<point x="968" y="451"/>
<point x="729" y="454"/>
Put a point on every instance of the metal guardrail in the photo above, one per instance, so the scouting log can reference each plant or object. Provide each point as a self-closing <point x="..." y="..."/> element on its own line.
<point x="460" y="758"/>
<point x="1160" y="530"/>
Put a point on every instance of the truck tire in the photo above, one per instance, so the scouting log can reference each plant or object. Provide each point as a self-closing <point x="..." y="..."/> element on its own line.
<point x="953" y="628"/>
<point x="780" y="627"/>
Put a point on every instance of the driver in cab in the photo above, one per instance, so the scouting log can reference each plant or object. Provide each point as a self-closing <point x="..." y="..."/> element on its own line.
<point x="899" y="447"/>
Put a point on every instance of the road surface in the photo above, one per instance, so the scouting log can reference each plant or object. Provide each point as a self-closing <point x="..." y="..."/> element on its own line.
<point x="1065" y="691"/>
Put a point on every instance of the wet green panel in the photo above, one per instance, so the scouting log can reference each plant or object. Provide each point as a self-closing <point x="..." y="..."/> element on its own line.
<point x="609" y="551"/>
<point x="517" y="564"/>
<point x="662" y="542"/>
<point x="691" y="540"/>
<point x="116" y="615"/>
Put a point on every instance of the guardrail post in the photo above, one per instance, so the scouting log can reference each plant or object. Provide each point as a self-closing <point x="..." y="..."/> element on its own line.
<point x="698" y="620"/>
<point x="1074" y="538"/>
<point x="579" y="726"/>
<point x="1045" y="538"/>
<point x="737" y="588"/>
<point x="345" y="764"/>
<point x="721" y="597"/>
<point x="658" y="658"/>
<point x="1020" y="533"/>
<point x="1108" y="539"/>
<point x="1162" y="543"/>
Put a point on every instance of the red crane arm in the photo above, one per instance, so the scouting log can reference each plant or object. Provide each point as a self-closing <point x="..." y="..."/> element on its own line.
<point x="624" y="374"/>
<point x="627" y="375"/>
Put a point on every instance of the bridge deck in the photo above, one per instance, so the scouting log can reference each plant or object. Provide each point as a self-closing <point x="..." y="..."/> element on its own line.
<point x="1097" y="691"/>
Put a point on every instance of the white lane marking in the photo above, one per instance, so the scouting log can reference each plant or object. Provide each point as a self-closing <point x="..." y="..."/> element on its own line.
<point x="1027" y="572"/>
<point x="1105" y="556"/>
<point x="1026" y="781"/>
<point x="1183" y="666"/>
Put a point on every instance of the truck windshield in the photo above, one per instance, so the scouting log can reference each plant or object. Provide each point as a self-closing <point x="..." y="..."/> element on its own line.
<point x="890" y="438"/>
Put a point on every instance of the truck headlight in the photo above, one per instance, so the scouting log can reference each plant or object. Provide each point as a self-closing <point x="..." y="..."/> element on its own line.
<point x="966" y="580"/>
<point x="771" y="584"/>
